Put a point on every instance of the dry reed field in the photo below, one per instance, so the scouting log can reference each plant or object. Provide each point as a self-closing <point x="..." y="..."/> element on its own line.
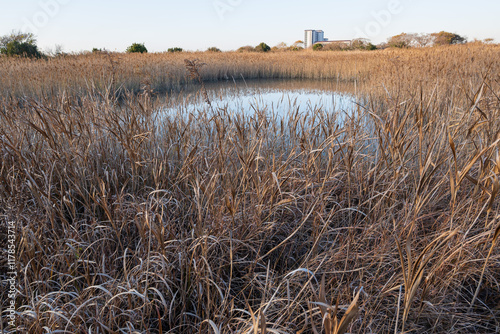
<point x="129" y="220"/>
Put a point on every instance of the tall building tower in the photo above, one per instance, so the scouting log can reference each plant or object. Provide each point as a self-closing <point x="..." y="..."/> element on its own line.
<point x="313" y="36"/>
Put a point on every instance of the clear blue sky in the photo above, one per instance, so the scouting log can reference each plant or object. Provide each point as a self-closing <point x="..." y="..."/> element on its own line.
<point x="228" y="24"/>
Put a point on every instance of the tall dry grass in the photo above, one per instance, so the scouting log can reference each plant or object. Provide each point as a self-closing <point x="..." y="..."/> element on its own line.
<point x="106" y="72"/>
<point x="130" y="220"/>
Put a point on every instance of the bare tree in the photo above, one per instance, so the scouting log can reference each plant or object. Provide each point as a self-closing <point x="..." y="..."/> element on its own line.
<point x="423" y="40"/>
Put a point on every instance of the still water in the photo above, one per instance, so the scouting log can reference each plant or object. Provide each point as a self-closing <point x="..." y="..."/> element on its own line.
<point x="274" y="97"/>
<point x="313" y="103"/>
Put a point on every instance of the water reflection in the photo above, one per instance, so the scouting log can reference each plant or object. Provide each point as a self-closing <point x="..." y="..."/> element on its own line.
<point x="277" y="97"/>
<point x="290" y="109"/>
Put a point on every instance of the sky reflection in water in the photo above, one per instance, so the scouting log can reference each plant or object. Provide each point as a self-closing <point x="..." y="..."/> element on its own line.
<point x="273" y="97"/>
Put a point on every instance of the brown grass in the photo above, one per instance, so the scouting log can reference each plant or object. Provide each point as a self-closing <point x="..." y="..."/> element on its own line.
<point x="105" y="72"/>
<point x="219" y="222"/>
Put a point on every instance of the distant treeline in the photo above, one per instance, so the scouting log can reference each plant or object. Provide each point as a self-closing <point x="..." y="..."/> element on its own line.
<point x="24" y="45"/>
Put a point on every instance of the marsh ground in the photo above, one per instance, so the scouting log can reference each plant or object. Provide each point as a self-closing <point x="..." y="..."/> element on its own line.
<point x="223" y="222"/>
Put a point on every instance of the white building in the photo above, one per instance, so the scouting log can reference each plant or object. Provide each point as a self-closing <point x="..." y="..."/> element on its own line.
<point x="312" y="37"/>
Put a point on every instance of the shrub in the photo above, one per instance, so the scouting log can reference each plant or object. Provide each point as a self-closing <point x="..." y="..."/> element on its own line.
<point x="137" y="48"/>
<point x="19" y="44"/>
<point x="262" y="47"/>
<point x="214" y="49"/>
<point x="447" y="38"/>
<point x="318" y="47"/>
<point x="297" y="46"/>
<point x="246" y="48"/>
<point x="362" y="44"/>
<point x="401" y="41"/>
<point x="332" y="47"/>
<point x="280" y="47"/>
<point x="175" y="49"/>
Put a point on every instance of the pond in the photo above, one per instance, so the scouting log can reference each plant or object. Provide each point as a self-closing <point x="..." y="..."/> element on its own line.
<point x="293" y="108"/>
<point x="274" y="97"/>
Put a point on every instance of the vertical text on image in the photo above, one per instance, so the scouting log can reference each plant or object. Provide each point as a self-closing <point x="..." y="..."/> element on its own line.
<point x="11" y="274"/>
